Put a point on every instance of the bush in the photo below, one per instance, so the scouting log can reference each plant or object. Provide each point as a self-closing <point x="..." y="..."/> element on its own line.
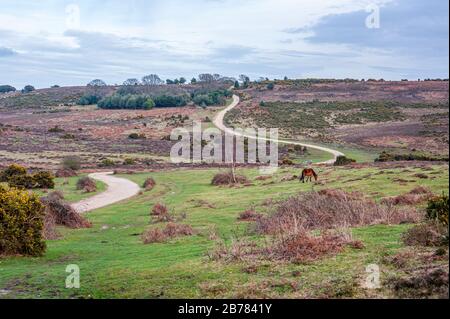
<point x="326" y="210"/>
<point x="169" y="101"/>
<point x="342" y="161"/>
<point x="106" y="163"/>
<point x="12" y="170"/>
<point x="149" y="184"/>
<point x="228" y="179"/>
<point x="129" y="161"/>
<point x="270" y="86"/>
<point x="55" y="129"/>
<point x="128" y="101"/>
<point x="72" y="162"/>
<point x="65" y="173"/>
<point x="7" y="88"/>
<point x="43" y="179"/>
<point x="159" y="209"/>
<point x="414" y="197"/>
<point x="249" y="215"/>
<point x="63" y="213"/>
<point x="437" y="209"/>
<point x="86" y="184"/>
<point x="388" y="157"/>
<point x="172" y="230"/>
<point x="21" y="223"/>
<point x="136" y="136"/>
<point x="428" y="234"/>
<point x="28" y="89"/>
<point x="89" y="100"/>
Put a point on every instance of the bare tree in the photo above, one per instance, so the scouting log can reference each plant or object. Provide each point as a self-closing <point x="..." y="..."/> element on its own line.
<point x="131" y="81"/>
<point x="152" y="79"/>
<point x="206" y="77"/>
<point x="97" y="82"/>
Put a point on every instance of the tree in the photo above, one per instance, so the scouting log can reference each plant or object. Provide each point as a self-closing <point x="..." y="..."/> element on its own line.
<point x="7" y="88"/>
<point x="152" y="79"/>
<point x="206" y="77"/>
<point x="28" y="89"/>
<point x="286" y="78"/>
<point x="245" y="80"/>
<point x="270" y="86"/>
<point x="182" y="80"/>
<point x="193" y="80"/>
<point x="55" y="86"/>
<point x="217" y="77"/>
<point x="236" y="84"/>
<point x="169" y="81"/>
<point x="97" y="82"/>
<point x="176" y="81"/>
<point x="131" y="81"/>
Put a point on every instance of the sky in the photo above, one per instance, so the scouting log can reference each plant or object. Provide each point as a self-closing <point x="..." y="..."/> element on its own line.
<point x="49" y="42"/>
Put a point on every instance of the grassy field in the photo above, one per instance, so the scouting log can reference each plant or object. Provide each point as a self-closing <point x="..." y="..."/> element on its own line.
<point x="115" y="263"/>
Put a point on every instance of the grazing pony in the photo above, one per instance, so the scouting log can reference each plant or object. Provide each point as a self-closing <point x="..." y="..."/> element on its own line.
<point x="308" y="173"/>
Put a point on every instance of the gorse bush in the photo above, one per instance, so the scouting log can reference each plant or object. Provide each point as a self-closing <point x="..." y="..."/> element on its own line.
<point x="21" y="223"/>
<point x="16" y="176"/>
<point x="437" y="209"/>
<point x="342" y="161"/>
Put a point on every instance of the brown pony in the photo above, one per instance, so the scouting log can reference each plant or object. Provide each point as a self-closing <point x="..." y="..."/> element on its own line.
<point x="308" y="173"/>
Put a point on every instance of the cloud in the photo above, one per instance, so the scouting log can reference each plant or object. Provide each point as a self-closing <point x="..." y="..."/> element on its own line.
<point x="4" y="52"/>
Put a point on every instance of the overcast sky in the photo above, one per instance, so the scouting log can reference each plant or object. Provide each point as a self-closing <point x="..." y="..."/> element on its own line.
<point x="47" y="42"/>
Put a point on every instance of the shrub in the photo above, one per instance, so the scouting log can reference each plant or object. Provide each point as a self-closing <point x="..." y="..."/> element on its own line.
<point x="66" y="172"/>
<point x="63" y="213"/>
<point x="270" y="86"/>
<point x="72" y="162"/>
<point x="414" y="197"/>
<point x="136" y="136"/>
<point x="86" y="184"/>
<point x="249" y="215"/>
<point x="55" y="129"/>
<point x="21" y="223"/>
<point x="149" y="184"/>
<point x="28" y="89"/>
<point x="106" y="163"/>
<point x="437" y="209"/>
<point x="172" y="230"/>
<point x="228" y="178"/>
<point x="314" y="210"/>
<point x="342" y="161"/>
<point x="22" y="181"/>
<point x="43" y="179"/>
<point x="7" y="88"/>
<point x="129" y="161"/>
<point x="427" y="234"/>
<point x="159" y="209"/>
<point x="89" y="100"/>
<point x="10" y="171"/>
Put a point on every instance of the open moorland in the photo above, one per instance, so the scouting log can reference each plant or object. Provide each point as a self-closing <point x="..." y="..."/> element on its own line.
<point x="405" y="117"/>
<point x="362" y="229"/>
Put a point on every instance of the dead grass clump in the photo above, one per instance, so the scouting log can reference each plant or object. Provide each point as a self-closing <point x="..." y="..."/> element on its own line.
<point x="49" y="232"/>
<point x="249" y="215"/>
<point x="65" y="172"/>
<point x="421" y="176"/>
<point x="159" y="209"/>
<point x="416" y="196"/>
<point x="422" y="283"/>
<point x="172" y="230"/>
<point x="87" y="185"/>
<point x="429" y="234"/>
<point x="149" y="184"/>
<point x="308" y="211"/>
<point x="228" y="178"/>
<point x="303" y="247"/>
<point x="63" y="213"/>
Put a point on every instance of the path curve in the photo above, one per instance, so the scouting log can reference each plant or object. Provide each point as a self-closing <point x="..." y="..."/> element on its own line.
<point x="218" y="121"/>
<point x="118" y="189"/>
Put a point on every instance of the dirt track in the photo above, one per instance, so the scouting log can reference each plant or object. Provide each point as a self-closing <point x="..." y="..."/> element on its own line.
<point x="118" y="190"/>
<point x="218" y="121"/>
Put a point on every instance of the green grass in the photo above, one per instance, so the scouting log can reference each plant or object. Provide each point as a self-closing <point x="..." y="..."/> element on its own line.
<point x="69" y="188"/>
<point x="114" y="262"/>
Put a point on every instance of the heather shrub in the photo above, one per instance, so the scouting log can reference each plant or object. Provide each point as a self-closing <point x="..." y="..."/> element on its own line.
<point x="86" y="184"/>
<point x="327" y="210"/>
<point x="72" y="162"/>
<point x="228" y="178"/>
<point x="65" y="172"/>
<point x="414" y="197"/>
<point x="343" y="160"/>
<point x="249" y="215"/>
<point x="426" y="234"/>
<point x="172" y="230"/>
<point x="149" y="184"/>
<point x="21" y="223"/>
<point x="159" y="209"/>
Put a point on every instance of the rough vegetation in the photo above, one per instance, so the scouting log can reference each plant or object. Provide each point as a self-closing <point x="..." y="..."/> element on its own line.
<point x="21" y="223"/>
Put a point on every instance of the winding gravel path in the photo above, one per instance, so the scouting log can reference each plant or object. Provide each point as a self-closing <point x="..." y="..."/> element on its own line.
<point x="118" y="190"/>
<point x="218" y="121"/>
